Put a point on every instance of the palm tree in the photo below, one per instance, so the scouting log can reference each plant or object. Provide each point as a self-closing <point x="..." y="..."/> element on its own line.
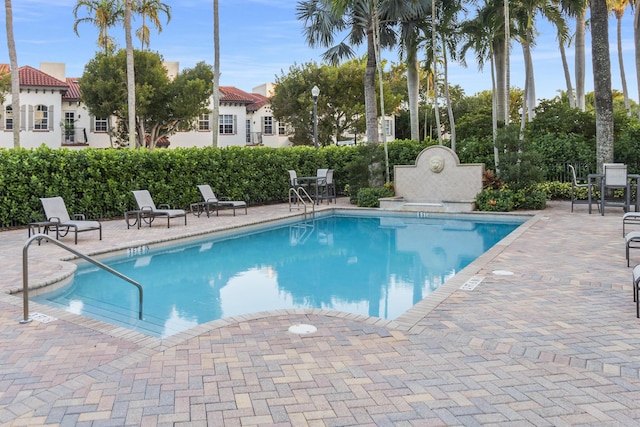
<point x="150" y="9"/>
<point x="104" y="14"/>
<point x="15" y="75"/>
<point x="618" y="7"/>
<point x="215" y="116"/>
<point x="580" y="57"/>
<point x="481" y="34"/>
<point x="602" y="82"/>
<point x="567" y="8"/>
<point x="412" y="28"/>
<point x="131" y="80"/>
<point x="324" y="20"/>
<point x="636" y="39"/>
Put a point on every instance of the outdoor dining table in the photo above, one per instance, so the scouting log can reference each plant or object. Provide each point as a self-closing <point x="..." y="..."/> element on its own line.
<point x="592" y="180"/>
<point x="311" y="180"/>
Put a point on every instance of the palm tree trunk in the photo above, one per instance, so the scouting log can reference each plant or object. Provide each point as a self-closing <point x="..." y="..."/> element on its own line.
<point x="371" y="109"/>
<point x="413" y="87"/>
<point x="215" y="116"/>
<point x="507" y="63"/>
<point x="527" y="83"/>
<point x="434" y="61"/>
<point x="580" y="59"/>
<point x="567" y="75"/>
<point x="623" y="77"/>
<point x="494" y="115"/>
<point x="602" y="82"/>
<point x="376" y="39"/>
<point x="636" y="39"/>
<point x="131" y="81"/>
<point x="15" y="74"/>
<point x="447" y="97"/>
<point x="500" y="78"/>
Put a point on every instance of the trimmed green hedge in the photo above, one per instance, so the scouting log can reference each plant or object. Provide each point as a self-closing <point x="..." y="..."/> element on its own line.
<point x="98" y="183"/>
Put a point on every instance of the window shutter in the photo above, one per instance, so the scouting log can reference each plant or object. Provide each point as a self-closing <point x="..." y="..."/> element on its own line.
<point x="92" y="126"/>
<point x="30" y="117"/>
<point x="235" y="124"/>
<point x="4" y="118"/>
<point x="50" y="117"/>
<point x="23" y="118"/>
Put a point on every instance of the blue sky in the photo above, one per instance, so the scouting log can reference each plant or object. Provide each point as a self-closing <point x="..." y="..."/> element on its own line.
<point x="261" y="38"/>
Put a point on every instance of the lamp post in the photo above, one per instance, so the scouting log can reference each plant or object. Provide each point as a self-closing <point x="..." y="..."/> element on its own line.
<point x="315" y="92"/>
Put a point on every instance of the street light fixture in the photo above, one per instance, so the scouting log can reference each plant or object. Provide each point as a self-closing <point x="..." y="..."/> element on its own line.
<point x="315" y="92"/>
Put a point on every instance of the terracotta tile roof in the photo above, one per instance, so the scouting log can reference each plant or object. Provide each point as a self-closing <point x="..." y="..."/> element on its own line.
<point x="4" y="69"/>
<point x="29" y="76"/>
<point x="233" y="94"/>
<point x="74" y="89"/>
<point x="258" y="102"/>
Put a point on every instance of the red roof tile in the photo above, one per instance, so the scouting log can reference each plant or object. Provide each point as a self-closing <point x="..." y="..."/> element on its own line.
<point x="4" y="69"/>
<point x="29" y="76"/>
<point x="258" y="102"/>
<point x="233" y="94"/>
<point x="74" y="89"/>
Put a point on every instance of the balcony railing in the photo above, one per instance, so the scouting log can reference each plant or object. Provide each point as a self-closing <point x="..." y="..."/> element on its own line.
<point x="254" y="138"/>
<point x="74" y="136"/>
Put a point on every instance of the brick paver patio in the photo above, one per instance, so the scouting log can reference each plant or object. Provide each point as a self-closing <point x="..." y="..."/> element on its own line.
<point x="556" y="343"/>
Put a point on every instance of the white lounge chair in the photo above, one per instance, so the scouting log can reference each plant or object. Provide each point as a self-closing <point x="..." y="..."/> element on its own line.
<point x="57" y="215"/>
<point x="148" y="210"/>
<point x="211" y="201"/>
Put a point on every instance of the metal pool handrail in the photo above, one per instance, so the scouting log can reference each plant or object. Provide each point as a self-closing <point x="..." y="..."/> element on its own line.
<point x="25" y="272"/>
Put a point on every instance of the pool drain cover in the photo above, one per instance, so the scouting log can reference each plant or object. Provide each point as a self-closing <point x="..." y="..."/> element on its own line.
<point x="302" y="329"/>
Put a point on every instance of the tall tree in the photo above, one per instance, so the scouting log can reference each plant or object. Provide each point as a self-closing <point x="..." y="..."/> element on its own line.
<point x="636" y="39"/>
<point x="412" y="32"/>
<point x="602" y="82"/>
<point x="15" y="74"/>
<point x="618" y="7"/>
<point x="150" y="9"/>
<point x="567" y="9"/>
<point x="580" y="65"/>
<point x="163" y="105"/>
<point x="131" y="80"/>
<point x="215" y="117"/>
<point x="104" y="14"/>
<point x="325" y="20"/>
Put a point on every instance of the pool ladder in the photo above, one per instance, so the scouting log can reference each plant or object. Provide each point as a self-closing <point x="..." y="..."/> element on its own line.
<point x="25" y="272"/>
<point x="299" y="195"/>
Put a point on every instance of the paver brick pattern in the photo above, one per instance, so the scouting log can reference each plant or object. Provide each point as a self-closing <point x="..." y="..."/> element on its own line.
<point x="554" y="344"/>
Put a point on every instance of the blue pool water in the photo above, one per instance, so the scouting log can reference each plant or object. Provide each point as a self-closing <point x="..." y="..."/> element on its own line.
<point x="376" y="266"/>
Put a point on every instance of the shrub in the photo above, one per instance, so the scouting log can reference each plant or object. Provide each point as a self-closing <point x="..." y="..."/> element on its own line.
<point x="495" y="200"/>
<point x="530" y="199"/>
<point x="369" y="197"/>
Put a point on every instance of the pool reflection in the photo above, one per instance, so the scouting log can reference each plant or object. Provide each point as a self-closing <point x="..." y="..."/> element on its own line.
<point x="372" y="266"/>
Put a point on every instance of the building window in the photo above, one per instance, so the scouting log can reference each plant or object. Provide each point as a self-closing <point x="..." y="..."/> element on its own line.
<point x="387" y="127"/>
<point x="204" y="122"/>
<point x="8" y="117"/>
<point x="267" y="125"/>
<point x="41" y="117"/>
<point x="101" y="125"/>
<point x="248" y="137"/>
<point x="282" y="129"/>
<point x="226" y="124"/>
<point x="69" y="127"/>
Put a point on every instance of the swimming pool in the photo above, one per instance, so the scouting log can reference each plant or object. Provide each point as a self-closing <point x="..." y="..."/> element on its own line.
<point x="371" y="265"/>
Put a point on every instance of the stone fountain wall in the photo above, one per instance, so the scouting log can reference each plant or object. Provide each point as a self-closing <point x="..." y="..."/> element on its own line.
<point x="436" y="183"/>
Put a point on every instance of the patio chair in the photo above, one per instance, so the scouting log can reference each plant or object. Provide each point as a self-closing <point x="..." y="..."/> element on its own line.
<point x="212" y="201"/>
<point x="577" y="183"/>
<point x="59" y="220"/>
<point x="636" y="288"/>
<point x="148" y="211"/>
<point x="615" y="177"/>
<point x="327" y="187"/>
